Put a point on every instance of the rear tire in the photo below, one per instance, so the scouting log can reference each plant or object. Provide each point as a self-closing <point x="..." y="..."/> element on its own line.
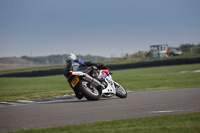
<point x="89" y="93"/>
<point x="120" y="91"/>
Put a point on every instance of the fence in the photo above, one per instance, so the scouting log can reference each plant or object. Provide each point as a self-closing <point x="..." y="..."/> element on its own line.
<point x="112" y="67"/>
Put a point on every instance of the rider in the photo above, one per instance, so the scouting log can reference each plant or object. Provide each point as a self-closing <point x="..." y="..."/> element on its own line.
<point x="85" y="66"/>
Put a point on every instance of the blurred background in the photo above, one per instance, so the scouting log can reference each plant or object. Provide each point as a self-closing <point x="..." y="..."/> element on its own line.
<point x="43" y="32"/>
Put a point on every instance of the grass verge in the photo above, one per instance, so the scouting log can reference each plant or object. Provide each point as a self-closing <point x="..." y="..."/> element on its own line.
<point x="166" y="77"/>
<point x="178" y="123"/>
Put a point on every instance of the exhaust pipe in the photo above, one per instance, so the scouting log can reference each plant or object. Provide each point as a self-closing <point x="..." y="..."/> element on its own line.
<point x="92" y="80"/>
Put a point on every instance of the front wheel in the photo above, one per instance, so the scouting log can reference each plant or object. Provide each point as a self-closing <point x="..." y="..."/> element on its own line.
<point x="120" y="91"/>
<point x="89" y="91"/>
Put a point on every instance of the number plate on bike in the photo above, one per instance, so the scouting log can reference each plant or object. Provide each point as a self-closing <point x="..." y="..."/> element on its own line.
<point x="74" y="81"/>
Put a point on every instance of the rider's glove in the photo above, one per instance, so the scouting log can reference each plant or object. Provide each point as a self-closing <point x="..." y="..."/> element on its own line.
<point x="100" y="65"/>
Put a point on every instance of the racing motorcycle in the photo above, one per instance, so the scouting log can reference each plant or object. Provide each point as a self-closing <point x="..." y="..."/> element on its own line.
<point x="84" y="85"/>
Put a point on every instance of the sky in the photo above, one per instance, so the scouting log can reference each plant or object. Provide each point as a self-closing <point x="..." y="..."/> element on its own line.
<point x="97" y="27"/>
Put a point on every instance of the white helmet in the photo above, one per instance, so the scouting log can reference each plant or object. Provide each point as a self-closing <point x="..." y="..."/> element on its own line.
<point x="70" y="57"/>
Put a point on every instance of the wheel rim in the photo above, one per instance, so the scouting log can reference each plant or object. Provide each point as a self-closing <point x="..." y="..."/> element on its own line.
<point x="120" y="89"/>
<point x="91" y="90"/>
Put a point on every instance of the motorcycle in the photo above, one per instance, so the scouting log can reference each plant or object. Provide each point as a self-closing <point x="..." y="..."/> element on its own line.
<point x="84" y="85"/>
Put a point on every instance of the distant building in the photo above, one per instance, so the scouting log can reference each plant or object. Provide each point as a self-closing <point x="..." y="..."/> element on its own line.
<point x="158" y="51"/>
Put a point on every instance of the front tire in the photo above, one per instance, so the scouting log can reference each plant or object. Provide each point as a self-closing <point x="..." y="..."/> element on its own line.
<point x="120" y="91"/>
<point x="90" y="93"/>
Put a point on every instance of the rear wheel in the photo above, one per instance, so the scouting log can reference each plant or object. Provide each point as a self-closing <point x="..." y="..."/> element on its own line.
<point x="120" y="91"/>
<point x="89" y="91"/>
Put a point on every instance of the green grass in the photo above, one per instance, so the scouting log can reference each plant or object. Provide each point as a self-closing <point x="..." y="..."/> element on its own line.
<point x="166" y="77"/>
<point x="33" y="88"/>
<point x="179" y="123"/>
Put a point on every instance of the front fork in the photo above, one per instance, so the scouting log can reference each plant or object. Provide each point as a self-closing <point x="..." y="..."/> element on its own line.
<point x="110" y="85"/>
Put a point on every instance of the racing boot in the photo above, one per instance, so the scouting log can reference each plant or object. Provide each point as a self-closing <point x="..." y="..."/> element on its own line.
<point x="78" y="95"/>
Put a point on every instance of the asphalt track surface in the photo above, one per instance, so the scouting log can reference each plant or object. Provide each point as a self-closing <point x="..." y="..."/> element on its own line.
<point x="72" y="111"/>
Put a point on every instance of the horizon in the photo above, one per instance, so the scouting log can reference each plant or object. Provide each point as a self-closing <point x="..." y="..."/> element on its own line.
<point x="66" y="54"/>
